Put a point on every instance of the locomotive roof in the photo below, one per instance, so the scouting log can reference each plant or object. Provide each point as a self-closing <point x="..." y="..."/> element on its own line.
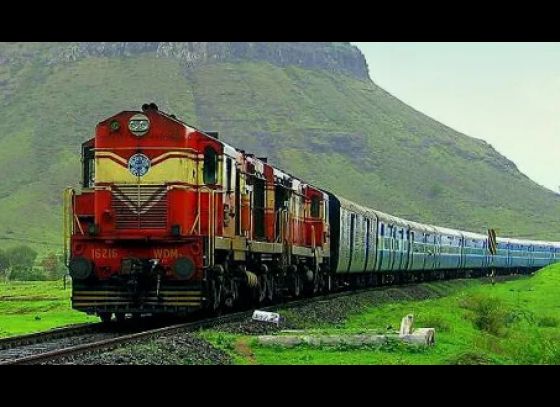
<point x="231" y="150"/>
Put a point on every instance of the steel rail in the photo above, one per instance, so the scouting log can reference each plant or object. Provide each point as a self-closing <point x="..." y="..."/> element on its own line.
<point x="56" y="333"/>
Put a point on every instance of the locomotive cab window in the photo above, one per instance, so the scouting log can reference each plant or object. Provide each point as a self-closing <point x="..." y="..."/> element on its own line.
<point x="210" y="166"/>
<point x="229" y="171"/>
<point x="315" y="207"/>
<point x="88" y="162"/>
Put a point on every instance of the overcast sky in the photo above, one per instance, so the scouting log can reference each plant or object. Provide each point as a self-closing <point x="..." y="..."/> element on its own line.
<point x="505" y="93"/>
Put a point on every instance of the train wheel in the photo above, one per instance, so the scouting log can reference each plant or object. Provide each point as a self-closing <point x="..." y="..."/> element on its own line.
<point x="295" y="285"/>
<point x="309" y="282"/>
<point x="270" y="289"/>
<point x="105" y="317"/>
<point x="214" y="292"/>
<point x="262" y="288"/>
<point x="317" y="283"/>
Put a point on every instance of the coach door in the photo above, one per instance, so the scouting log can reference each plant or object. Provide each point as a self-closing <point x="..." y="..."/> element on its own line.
<point x="437" y="251"/>
<point x="230" y="197"/>
<point x="401" y="250"/>
<point x="380" y="247"/>
<point x="237" y="202"/>
<point x="394" y="248"/>
<point x="281" y="200"/>
<point x="371" y="242"/>
<point x="408" y="249"/>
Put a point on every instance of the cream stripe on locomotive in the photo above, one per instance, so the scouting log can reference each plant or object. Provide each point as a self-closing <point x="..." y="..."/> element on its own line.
<point x="173" y="166"/>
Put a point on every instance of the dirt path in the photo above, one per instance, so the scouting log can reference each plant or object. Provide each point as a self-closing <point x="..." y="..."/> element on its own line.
<point x="242" y="348"/>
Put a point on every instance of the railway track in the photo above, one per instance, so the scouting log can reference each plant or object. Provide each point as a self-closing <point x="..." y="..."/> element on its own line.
<point x="42" y="343"/>
<point x="81" y="339"/>
<point x="40" y="337"/>
<point x="70" y="341"/>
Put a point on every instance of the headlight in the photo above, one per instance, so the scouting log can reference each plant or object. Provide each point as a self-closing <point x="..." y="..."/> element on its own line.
<point x="184" y="268"/>
<point x="80" y="268"/>
<point x="114" y="125"/>
<point x="139" y="124"/>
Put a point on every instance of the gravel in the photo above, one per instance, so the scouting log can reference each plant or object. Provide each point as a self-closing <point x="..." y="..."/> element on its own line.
<point x="334" y="312"/>
<point x="170" y="349"/>
<point x="53" y="344"/>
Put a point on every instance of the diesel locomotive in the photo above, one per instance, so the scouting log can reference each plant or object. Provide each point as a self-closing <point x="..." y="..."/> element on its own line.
<point x="172" y="220"/>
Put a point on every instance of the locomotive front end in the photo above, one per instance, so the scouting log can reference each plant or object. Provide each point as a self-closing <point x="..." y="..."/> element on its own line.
<point x="135" y="239"/>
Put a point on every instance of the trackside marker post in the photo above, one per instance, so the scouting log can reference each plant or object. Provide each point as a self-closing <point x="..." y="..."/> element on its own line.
<point x="493" y="249"/>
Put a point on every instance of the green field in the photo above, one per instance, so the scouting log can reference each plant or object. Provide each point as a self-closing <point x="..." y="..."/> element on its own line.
<point x="514" y="322"/>
<point x="27" y="307"/>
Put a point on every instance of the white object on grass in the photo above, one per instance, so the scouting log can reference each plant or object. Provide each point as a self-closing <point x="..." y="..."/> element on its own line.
<point x="264" y="316"/>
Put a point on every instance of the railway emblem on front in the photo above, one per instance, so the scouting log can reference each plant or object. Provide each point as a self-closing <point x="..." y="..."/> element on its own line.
<point x="138" y="165"/>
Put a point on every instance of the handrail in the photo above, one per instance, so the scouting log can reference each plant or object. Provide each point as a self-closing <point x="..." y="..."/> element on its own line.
<point x="67" y="220"/>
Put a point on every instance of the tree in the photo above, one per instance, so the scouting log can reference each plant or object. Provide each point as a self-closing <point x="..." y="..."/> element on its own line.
<point x="21" y="257"/>
<point x="53" y="266"/>
<point x="20" y="263"/>
<point x="3" y="263"/>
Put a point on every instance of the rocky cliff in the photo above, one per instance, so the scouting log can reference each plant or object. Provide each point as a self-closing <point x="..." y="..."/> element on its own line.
<point x="333" y="57"/>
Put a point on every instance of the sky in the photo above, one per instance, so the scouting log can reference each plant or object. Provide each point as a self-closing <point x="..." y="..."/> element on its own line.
<point x="507" y="94"/>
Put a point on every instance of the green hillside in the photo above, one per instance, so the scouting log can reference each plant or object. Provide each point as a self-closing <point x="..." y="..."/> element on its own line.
<point x="328" y="125"/>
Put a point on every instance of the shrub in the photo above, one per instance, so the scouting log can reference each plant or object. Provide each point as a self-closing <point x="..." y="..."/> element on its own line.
<point x="22" y="257"/>
<point x="4" y="263"/>
<point x="470" y="358"/>
<point x="53" y="266"/>
<point x="548" y="321"/>
<point x="489" y="313"/>
<point x="536" y="350"/>
<point x="433" y="321"/>
<point x="27" y="274"/>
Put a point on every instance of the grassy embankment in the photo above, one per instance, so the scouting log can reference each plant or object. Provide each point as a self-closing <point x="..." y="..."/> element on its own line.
<point x="27" y="307"/>
<point x="513" y="322"/>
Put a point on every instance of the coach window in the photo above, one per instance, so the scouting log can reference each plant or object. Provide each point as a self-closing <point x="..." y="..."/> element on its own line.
<point x="315" y="207"/>
<point x="210" y="166"/>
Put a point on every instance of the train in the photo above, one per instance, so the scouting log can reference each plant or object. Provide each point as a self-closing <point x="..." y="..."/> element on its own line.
<point x="171" y="220"/>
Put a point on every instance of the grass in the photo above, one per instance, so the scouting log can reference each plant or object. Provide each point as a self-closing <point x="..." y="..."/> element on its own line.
<point x="513" y="322"/>
<point x="27" y="307"/>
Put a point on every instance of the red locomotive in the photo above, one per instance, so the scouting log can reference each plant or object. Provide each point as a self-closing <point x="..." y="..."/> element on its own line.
<point x="172" y="220"/>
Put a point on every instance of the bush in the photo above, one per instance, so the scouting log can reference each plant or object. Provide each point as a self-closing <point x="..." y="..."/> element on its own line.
<point x="53" y="266"/>
<point x="21" y="257"/>
<point x="489" y="313"/>
<point x="539" y="350"/>
<point x="433" y="321"/>
<point x="548" y="321"/>
<point x="24" y="274"/>
<point x="4" y="263"/>
<point x="470" y="358"/>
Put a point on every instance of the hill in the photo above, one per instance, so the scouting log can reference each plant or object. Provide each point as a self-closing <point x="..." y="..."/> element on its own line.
<point x="310" y="107"/>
